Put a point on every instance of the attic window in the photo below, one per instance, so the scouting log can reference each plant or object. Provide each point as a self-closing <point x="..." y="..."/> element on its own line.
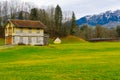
<point x="10" y="30"/>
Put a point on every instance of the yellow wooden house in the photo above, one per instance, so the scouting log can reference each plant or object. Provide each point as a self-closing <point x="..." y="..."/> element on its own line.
<point x="26" y="32"/>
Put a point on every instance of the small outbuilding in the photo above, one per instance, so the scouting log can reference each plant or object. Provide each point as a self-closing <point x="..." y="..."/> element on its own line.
<point x="57" y="41"/>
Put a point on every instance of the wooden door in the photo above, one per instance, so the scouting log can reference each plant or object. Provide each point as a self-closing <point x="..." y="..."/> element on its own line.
<point x="9" y="40"/>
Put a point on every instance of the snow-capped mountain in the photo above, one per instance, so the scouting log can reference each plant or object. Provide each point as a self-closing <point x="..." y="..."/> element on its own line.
<point x="109" y="19"/>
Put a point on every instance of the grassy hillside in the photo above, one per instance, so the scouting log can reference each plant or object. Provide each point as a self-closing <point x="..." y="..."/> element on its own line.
<point x="77" y="61"/>
<point x="70" y="39"/>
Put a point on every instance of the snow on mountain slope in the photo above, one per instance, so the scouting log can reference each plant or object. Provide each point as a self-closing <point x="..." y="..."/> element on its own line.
<point x="109" y="18"/>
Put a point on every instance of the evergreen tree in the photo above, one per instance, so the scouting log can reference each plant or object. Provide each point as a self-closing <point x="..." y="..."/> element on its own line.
<point x="34" y="14"/>
<point x="12" y="16"/>
<point x="20" y="16"/>
<point x="44" y="15"/>
<point x="58" y="17"/>
<point x="118" y="30"/>
<point x="73" y="25"/>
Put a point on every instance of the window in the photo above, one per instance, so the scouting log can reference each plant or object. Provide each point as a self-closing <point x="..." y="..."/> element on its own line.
<point x="30" y="30"/>
<point x="10" y="30"/>
<point x="38" y="39"/>
<point x="29" y="40"/>
<point x="38" y="30"/>
<point x="21" y="39"/>
<point x="21" y="30"/>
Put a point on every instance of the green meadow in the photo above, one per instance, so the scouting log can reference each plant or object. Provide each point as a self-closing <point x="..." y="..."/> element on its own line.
<point x="66" y="61"/>
<point x="2" y="41"/>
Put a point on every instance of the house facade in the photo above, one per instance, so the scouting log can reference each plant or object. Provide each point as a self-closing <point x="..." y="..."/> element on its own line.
<point x="26" y="32"/>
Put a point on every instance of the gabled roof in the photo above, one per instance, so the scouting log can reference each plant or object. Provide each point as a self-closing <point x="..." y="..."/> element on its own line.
<point x="27" y="24"/>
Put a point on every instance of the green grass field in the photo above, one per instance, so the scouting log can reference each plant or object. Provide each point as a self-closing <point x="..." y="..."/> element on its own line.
<point x="72" y="61"/>
<point x="2" y="41"/>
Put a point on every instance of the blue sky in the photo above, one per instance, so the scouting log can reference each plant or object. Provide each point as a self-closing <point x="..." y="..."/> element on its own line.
<point x="81" y="7"/>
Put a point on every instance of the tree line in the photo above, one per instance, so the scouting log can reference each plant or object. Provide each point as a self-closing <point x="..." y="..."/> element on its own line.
<point x="58" y="23"/>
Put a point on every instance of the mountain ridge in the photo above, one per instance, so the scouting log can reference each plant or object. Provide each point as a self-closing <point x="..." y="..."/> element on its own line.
<point x="108" y="19"/>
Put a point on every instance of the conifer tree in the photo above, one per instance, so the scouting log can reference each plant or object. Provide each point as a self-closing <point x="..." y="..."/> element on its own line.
<point x="73" y="24"/>
<point x="58" y="17"/>
<point x="20" y="16"/>
<point x="118" y="30"/>
<point x="34" y="14"/>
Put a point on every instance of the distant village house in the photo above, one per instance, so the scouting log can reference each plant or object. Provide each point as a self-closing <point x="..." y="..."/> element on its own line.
<point x="26" y="32"/>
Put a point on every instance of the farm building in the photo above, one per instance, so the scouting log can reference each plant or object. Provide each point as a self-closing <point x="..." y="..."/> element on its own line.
<point x="26" y="32"/>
